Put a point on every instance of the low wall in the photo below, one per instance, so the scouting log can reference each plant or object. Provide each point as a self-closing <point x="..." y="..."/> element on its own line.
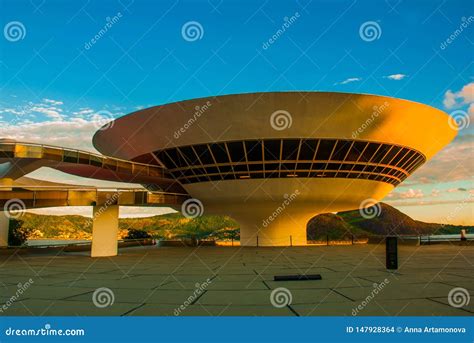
<point x="46" y="249"/>
<point x="185" y="243"/>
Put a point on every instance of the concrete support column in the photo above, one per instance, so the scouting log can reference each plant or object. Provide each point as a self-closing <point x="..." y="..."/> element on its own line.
<point x="282" y="231"/>
<point x="5" y="184"/>
<point x="104" y="231"/>
<point x="263" y="224"/>
<point x="4" y="225"/>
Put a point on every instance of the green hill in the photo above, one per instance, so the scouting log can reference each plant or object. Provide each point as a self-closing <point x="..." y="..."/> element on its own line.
<point x="168" y="226"/>
<point x="174" y="226"/>
<point x="388" y="221"/>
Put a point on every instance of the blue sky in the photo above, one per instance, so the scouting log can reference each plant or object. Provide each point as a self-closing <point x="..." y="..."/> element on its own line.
<point x="50" y="81"/>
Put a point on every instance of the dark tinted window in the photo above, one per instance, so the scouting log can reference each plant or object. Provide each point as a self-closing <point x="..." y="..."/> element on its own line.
<point x="325" y="149"/>
<point x="369" y="152"/>
<point x="219" y="152"/>
<point x="254" y="150"/>
<point x="307" y="149"/>
<point x="177" y="158"/>
<point x="166" y="160"/>
<point x="290" y="149"/>
<point x="236" y="151"/>
<point x="381" y="153"/>
<point x="204" y="154"/>
<point x="70" y="156"/>
<point x="391" y="154"/>
<point x="356" y="151"/>
<point x="283" y="155"/>
<point x="408" y="157"/>
<point x="342" y="148"/>
<point x="272" y="149"/>
<point x="190" y="156"/>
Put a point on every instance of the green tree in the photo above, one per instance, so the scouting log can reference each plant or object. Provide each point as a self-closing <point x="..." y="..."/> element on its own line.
<point x="18" y="233"/>
<point x="137" y="234"/>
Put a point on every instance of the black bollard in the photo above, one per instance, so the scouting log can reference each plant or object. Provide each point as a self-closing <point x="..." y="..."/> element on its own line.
<point x="391" y="256"/>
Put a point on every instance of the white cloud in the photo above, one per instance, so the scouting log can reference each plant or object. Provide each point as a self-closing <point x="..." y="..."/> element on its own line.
<point x="50" y="112"/>
<point x="11" y="110"/>
<point x="435" y="192"/>
<point x="86" y="211"/>
<point x="349" y="80"/>
<point x="449" y="99"/>
<point x="450" y="164"/>
<point x="73" y="133"/>
<point x="409" y="194"/>
<point x="83" y="111"/>
<point x="412" y="193"/>
<point x="53" y="102"/>
<point x="396" y="77"/>
<point x="465" y="96"/>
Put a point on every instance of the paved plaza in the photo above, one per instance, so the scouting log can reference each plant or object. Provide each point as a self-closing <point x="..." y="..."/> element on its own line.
<point x="228" y="281"/>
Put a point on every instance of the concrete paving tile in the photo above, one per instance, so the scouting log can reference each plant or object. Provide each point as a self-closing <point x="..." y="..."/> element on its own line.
<point x="262" y="297"/>
<point x="157" y="296"/>
<point x="36" y="307"/>
<point x="395" y="290"/>
<point x="236" y="285"/>
<point x="200" y="310"/>
<point x="14" y="280"/>
<point x="36" y="291"/>
<point x="469" y="285"/>
<point x="325" y="283"/>
<point x="417" y="307"/>
<point x="112" y="284"/>
<point x="469" y="306"/>
<point x="428" y="271"/>
<point x="244" y="277"/>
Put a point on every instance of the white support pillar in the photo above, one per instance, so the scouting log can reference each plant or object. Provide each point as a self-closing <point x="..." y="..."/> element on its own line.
<point x="266" y="224"/>
<point x="104" y="231"/>
<point x="4" y="224"/>
<point x="5" y="184"/>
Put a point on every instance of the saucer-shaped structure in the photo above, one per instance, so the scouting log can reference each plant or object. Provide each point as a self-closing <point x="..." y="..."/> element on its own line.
<point x="274" y="160"/>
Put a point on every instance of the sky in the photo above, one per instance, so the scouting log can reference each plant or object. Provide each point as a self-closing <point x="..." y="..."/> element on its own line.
<point x="66" y="67"/>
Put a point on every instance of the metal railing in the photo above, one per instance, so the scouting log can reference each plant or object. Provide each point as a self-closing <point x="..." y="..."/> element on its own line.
<point x="52" y="196"/>
<point x="67" y="155"/>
